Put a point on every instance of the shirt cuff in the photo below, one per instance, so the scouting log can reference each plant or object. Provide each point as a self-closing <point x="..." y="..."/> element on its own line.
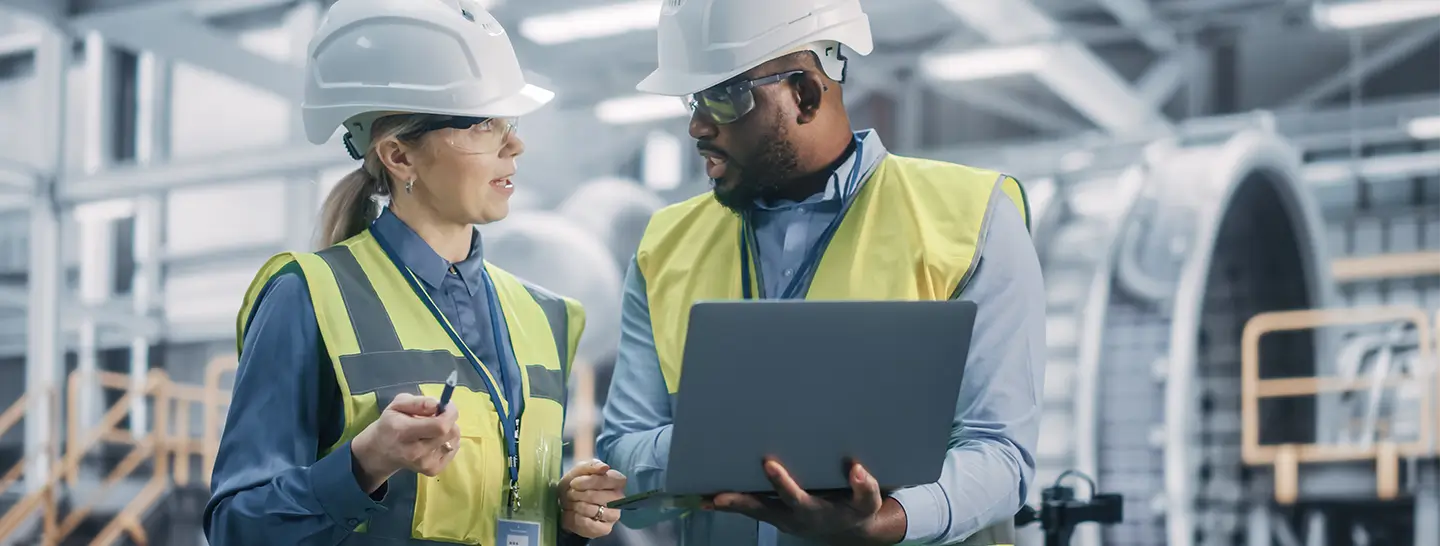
<point x="332" y="478"/>
<point x="927" y="512"/>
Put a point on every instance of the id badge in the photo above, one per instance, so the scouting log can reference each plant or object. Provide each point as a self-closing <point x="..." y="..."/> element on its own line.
<point x="517" y="533"/>
<point x="540" y="503"/>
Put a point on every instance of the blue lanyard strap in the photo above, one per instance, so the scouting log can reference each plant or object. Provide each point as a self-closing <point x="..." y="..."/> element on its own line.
<point x="811" y="262"/>
<point x="509" y="426"/>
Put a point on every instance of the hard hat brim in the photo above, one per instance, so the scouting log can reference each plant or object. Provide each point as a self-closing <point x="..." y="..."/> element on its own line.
<point x="669" y="83"/>
<point x="853" y="34"/>
<point x="321" y="126"/>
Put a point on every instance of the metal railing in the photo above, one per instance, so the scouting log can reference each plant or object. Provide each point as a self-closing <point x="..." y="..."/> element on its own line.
<point x="1386" y="453"/>
<point x="169" y="445"/>
<point x="1386" y="266"/>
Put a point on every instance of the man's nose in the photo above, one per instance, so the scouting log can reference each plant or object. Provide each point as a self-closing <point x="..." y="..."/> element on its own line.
<point x="702" y="127"/>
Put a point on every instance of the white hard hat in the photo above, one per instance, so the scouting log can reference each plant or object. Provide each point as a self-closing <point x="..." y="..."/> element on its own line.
<point x="705" y="42"/>
<point x="372" y="57"/>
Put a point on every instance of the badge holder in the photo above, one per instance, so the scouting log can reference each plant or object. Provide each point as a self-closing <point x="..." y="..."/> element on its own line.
<point x="524" y="526"/>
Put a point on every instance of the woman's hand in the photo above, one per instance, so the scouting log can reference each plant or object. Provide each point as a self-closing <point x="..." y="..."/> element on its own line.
<point x="584" y="492"/>
<point x="408" y="435"/>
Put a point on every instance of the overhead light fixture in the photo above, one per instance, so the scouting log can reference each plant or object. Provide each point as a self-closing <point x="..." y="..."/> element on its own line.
<point x="985" y="63"/>
<point x="640" y="109"/>
<point x="596" y="22"/>
<point x="1426" y="128"/>
<point x="1351" y="15"/>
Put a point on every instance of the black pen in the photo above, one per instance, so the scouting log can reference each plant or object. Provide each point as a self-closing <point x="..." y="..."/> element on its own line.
<point x="449" y="389"/>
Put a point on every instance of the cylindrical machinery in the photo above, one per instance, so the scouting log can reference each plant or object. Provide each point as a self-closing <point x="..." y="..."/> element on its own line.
<point x="614" y="209"/>
<point x="1152" y="271"/>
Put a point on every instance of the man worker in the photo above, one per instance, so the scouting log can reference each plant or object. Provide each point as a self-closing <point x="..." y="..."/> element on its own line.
<point x="803" y="207"/>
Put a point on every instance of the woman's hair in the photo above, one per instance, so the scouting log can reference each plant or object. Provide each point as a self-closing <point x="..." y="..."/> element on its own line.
<point x="351" y="207"/>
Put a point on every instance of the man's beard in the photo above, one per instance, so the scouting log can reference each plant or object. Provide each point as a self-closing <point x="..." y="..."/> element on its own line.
<point x="762" y="176"/>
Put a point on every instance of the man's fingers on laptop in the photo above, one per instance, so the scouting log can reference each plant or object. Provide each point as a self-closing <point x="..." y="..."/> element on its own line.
<point x="785" y="486"/>
<point x="866" y="490"/>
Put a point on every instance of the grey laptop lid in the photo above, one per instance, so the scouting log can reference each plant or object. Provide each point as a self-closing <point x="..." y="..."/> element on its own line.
<point x="815" y="383"/>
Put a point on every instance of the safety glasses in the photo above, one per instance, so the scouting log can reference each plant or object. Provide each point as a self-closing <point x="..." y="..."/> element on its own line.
<point x="728" y="102"/>
<point x="471" y="135"/>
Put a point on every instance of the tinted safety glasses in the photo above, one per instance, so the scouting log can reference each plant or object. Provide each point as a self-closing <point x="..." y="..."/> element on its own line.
<point x="728" y="102"/>
<point x="470" y="135"/>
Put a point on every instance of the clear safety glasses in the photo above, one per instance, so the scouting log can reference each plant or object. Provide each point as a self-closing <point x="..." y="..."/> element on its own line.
<point x="471" y="135"/>
<point x="728" y="102"/>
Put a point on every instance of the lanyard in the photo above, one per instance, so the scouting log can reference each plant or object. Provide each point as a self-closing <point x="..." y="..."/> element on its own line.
<point x="811" y="262"/>
<point x="509" y="425"/>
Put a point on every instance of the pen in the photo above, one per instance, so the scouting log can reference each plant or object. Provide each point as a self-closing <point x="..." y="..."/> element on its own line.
<point x="449" y="389"/>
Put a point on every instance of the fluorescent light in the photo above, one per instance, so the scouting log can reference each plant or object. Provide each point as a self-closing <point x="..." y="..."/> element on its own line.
<point x="1424" y="128"/>
<point x="640" y="109"/>
<point x="597" y="22"/>
<point x="1351" y="15"/>
<point x="985" y="63"/>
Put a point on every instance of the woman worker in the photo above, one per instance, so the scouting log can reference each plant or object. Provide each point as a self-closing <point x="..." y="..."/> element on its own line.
<point x="340" y="430"/>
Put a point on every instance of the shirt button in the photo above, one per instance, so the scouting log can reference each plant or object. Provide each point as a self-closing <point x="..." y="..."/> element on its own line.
<point x="789" y="272"/>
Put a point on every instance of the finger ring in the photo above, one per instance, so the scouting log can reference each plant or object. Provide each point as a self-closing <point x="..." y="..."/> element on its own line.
<point x="447" y="447"/>
<point x="599" y="514"/>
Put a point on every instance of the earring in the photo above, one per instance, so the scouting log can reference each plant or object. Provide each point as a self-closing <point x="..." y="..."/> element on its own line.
<point x="409" y="185"/>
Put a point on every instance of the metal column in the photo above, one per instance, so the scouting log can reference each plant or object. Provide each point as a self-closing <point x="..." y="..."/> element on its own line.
<point x="43" y="360"/>
<point x="152" y="143"/>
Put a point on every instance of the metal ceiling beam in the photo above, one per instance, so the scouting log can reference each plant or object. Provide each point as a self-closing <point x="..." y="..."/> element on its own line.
<point x="1004" y="105"/>
<point x="131" y="180"/>
<point x="1137" y="16"/>
<point x="49" y="10"/>
<point x="1164" y="77"/>
<point x="187" y="39"/>
<point x="155" y="8"/>
<point x="1073" y="72"/>
<point x="1380" y="59"/>
<point x="175" y="29"/>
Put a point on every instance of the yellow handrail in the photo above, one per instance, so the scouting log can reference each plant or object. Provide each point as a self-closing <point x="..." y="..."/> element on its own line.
<point x="1286" y="458"/>
<point x="1386" y="266"/>
<point x="161" y="444"/>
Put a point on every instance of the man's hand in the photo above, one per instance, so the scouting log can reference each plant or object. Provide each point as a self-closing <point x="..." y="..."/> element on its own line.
<point x="864" y="517"/>
<point x="584" y="491"/>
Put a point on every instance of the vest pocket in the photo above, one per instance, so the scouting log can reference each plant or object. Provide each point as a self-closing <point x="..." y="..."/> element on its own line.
<point x="462" y="503"/>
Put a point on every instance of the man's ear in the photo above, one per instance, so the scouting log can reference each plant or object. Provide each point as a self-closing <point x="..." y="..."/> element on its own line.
<point x="810" y="88"/>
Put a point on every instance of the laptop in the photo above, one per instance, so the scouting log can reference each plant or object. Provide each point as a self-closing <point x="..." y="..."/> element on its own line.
<point x="814" y="384"/>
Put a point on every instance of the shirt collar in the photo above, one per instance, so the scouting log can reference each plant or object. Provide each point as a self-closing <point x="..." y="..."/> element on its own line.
<point x="871" y="151"/>
<point x="417" y="255"/>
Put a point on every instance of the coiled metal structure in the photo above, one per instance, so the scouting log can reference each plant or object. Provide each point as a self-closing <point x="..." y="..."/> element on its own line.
<point x="1152" y="271"/>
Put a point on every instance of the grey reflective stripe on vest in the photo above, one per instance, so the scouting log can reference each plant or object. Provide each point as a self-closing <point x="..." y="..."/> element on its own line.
<point x="387" y="369"/>
<point x="544" y="382"/>
<point x="373" y="330"/>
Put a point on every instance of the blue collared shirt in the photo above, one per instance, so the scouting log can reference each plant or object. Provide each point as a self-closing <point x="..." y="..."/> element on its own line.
<point x="991" y="461"/>
<point x="269" y="486"/>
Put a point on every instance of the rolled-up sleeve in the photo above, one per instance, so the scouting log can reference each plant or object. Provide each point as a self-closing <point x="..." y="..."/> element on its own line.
<point x="991" y="460"/>
<point x="635" y="436"/>
<point x="268" y="485"/>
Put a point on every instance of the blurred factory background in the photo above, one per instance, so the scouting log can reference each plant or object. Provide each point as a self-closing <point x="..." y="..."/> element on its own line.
<point x="1237" y="204"/>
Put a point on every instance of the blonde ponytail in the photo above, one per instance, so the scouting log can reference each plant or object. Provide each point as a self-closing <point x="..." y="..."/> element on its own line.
<point x="349" y="208"/>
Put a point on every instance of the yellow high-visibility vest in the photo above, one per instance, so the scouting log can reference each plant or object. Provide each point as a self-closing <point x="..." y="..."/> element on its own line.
<point x="383" y="340"/>
<point x="912" y="233"/>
